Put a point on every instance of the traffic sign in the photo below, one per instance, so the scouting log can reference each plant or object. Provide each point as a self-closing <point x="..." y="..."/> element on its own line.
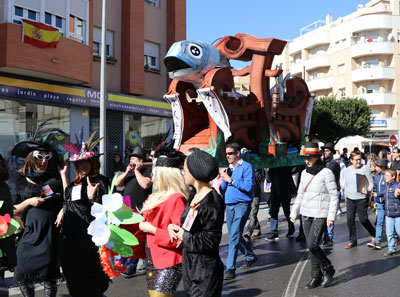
<point x="393" y="140"/>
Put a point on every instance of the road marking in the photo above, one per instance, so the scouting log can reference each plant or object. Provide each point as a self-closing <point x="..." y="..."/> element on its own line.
<point x="291" y="289"/>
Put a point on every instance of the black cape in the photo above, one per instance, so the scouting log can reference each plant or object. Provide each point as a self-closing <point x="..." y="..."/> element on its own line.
<point x="37" y="249"/>
<point x="203" y="269"/>
<point x="79" y="255"/>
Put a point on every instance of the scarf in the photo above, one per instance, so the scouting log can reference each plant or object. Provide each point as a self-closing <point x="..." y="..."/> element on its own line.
<point x="317" y="167"/>
<point x="38" y="177"/>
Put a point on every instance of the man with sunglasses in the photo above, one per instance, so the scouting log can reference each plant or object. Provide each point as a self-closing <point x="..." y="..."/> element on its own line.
<point x="237" y="188"/>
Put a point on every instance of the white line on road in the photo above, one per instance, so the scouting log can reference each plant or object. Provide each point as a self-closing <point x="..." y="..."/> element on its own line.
<point x="291" y="289"/>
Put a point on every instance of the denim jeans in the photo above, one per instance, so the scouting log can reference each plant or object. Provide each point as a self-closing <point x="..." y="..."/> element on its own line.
<point x="254" y="224"/>
<point x="392" y="228"/>
<point x="339" y="200"/>
<point x="313" y="229"/>
<point x="236" y="217"/>
<point x="380" y="217"/>
<point x="361" y="207"/>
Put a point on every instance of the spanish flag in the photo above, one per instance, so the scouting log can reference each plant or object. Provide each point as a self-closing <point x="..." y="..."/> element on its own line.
<point x="39" y="34"/>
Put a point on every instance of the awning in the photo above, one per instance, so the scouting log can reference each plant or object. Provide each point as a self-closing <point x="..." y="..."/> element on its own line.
<point x="381" y="144"/>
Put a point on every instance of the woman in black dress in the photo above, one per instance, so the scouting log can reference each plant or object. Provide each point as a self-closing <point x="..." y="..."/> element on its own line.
<point x="201" y="230"/>
<point x="79" y="255"/>
<point x="38" y="198"/>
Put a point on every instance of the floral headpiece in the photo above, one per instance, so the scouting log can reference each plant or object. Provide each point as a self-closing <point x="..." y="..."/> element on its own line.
<point x="82" y="150"/>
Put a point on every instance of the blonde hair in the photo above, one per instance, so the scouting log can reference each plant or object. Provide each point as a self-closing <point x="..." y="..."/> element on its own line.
<point x="166" y="181"/>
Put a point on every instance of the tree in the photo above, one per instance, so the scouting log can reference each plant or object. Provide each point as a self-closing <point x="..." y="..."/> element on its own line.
<point x="334" y="119"/>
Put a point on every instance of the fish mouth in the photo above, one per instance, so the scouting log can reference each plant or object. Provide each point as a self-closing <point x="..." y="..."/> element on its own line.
<point x="174" y="64"/>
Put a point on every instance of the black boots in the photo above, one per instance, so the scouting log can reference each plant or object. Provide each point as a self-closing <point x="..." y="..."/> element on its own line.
<point x="315" y="282"/>
<point x="328" y="276"/>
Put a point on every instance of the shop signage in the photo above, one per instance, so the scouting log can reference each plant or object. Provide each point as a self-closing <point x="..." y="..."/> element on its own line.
<point x="378" y="123"/>
<point x="85" y="97"/>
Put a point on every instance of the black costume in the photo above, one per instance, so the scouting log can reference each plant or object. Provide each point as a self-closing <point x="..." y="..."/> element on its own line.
<point x="132" y="188"/>
<point x="79" y="255"/>
<point x="38" y="247"/>
<point x="203" y="269"/>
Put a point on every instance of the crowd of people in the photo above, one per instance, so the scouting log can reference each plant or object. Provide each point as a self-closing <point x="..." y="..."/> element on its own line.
<point x="184" y="200"/>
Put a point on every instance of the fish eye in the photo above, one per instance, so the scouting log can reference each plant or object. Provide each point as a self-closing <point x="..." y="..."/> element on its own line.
<point x="195" y="51"/>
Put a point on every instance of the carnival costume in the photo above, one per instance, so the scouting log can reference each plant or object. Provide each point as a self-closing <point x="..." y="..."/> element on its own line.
<point x="79" y="255"/>
<point x="203" y="269"/>
<point x="164" y="259"/>
<point x="38" y="246"/>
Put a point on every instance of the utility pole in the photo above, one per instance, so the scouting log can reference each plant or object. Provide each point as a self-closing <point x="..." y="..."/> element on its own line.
<point x="103" y="98"/>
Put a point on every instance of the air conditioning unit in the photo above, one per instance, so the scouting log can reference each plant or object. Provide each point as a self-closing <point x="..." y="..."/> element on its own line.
<point x="354" y="35"/>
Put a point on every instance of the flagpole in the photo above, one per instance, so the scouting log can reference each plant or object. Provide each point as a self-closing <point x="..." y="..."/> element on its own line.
<point x="103" y="90"/>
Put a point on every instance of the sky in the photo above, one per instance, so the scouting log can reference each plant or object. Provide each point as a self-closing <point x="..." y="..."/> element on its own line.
<point x="208" y="20"/>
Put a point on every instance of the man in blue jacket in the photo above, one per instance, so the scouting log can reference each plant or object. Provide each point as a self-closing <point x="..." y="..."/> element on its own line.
<point x="237" y="188"/>
<point x="379" y="201"/>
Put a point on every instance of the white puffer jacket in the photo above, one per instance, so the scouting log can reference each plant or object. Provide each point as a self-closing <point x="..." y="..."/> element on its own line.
<point x="321" y="198"/>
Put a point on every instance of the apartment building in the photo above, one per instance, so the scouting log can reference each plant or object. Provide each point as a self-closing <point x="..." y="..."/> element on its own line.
<point x="354" y="56"/>
<point x="63" y="82"/>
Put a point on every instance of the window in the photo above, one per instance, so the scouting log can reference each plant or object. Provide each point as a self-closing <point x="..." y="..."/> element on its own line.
<point x="341" y="69"/>
<point x="59" y="22"/>
<point x="315" y="75"/>
<point x="19" y="11"/>
<point x="97" y="42"/>
<point x="47" y="18"/>
<point x="77" y="28"/>
<point x="155" y="3"/>
<point x="151" y="56"/>
<point x="32" y="15"/>
<point x="342" y="93"/>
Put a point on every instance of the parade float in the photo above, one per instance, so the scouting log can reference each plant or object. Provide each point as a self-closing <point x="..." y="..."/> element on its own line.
<point x="270" y="123"/>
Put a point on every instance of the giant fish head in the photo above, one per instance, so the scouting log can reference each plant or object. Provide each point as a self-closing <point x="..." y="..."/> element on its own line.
<point x="190" y="60"/>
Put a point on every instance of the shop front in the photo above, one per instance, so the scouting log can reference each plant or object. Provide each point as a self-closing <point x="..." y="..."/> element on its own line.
<point x="26" y="103"/>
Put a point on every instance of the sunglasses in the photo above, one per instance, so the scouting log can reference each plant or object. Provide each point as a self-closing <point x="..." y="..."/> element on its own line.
<point x="230" y="153"/>
<point x="38" y="156"/>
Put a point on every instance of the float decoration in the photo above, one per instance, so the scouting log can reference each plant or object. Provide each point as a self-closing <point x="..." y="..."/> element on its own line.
<point x="106" y="233"/>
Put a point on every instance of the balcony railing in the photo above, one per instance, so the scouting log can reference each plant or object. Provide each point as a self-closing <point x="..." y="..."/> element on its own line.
<point x="378" y="98"/>
<point x="371" y="48"/>
<point x="317" y="61"/>
<point x="296" y="68"/>
<point x="320" y="84"/>
<point x="371" y="22"/>
<point x="373" y="73"/>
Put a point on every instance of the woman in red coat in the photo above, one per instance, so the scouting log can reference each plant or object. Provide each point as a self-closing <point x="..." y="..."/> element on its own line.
<point x="164" y="207"/>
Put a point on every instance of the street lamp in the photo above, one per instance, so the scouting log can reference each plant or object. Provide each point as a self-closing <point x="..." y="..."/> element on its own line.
<point x="103" y="107"/>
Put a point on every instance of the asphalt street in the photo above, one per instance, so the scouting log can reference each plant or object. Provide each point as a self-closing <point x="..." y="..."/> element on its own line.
<point x="283" y="268"/>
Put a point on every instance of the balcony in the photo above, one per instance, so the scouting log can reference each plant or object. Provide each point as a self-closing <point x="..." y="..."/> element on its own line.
<point x="317" y="61"/>
<point x="383" y="124"/>
<point x="71" y="62"/>
<point x="378" y="98"/>
<point x="371" y="48"/>
<point x="319" y="84"/>
<point x="371" y="22"/>
<point x="373" y="73"/>
<point x="296" y="68"/>
<point x="309" y="40"/>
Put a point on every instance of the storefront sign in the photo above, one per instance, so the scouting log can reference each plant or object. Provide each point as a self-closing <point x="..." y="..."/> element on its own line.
<point x="378" y="123"/>
<point x="70" y="95"/>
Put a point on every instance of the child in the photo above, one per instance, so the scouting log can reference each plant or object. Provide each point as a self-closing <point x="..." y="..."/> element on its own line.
<point x="379" y="201"/>
<point x="392" y="211"/>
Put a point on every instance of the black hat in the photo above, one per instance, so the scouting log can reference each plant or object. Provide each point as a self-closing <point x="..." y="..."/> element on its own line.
<point x="23" y="148"/>
<point x="330" y="146"/>
<point x="174" y="159"/>
<point x="202" y="166"/>
<point x="310" y="149"/>
<point x="381" y="162"/>
<point x="138" y="152"/>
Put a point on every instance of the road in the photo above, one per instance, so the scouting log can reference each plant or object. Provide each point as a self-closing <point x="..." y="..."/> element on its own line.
<point x="283" y="268"/>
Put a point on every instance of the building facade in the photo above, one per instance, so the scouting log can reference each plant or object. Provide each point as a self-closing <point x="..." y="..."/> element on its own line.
<point x="62" y="83"/>
<point x="356" y="56"/>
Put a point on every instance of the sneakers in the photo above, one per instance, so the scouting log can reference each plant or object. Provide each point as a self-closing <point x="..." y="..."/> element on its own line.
<point x="377" y="246"/>
<point x="339" y="212"/>
<point x="247" y="236"/>
<point x="350" y="245"/>
<point x="272" y="237"/>
<point x="371" y="244"/>
<point x="389" y="253"/>
<point x="229" y="274"/>
<point x="247" y="264"/>
<point x="130" y="273"/>
<point x="327" y="243"/>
